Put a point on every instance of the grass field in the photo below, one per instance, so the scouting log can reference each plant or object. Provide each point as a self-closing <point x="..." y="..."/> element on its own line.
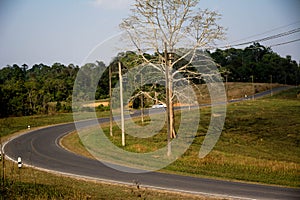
<point x="14" y="124"/>
<point x="28" y="183"/>
<point x="259" y="143"/>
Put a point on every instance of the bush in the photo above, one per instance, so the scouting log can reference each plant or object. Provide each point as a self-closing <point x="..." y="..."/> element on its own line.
<point x="102" y="108"/>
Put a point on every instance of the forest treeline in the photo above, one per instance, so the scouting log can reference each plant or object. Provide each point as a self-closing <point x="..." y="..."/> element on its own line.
<point x="258" y="62"/>
<point x="42" y="89"/>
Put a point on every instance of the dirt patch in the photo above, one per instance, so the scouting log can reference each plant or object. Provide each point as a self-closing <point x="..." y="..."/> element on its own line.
<point x="96" y="104"/>
<point x="240" y="90"/>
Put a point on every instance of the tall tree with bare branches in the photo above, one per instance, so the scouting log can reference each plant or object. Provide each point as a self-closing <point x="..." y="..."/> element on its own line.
<point x="164" y="27"/>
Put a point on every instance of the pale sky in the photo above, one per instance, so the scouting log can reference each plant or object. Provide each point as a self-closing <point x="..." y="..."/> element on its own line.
<point x="65" y="31"/>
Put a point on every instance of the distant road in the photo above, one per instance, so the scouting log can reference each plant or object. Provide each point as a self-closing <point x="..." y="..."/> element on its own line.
<point x="41" y="149"/>
<point x="263" y="94"/>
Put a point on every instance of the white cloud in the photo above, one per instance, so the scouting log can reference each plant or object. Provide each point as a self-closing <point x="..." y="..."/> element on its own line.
<point x="113" y="4"/>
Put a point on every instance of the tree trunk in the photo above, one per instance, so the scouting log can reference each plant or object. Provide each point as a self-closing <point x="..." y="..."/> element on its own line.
<point x="142" y="102"/>
<point x="171" y="110"/>
<point x="169" y="102"/>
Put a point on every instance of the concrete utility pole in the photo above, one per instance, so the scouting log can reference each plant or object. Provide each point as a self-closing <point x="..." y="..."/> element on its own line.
<point x="189" y="92"/>
<point x="121" y="102"/>
<point x="271" y="77"/>
<point x="226" y="86"/>
<point x="252" y="77"/>
<point x="142" y="101"/>
<point x="110" y="103"/>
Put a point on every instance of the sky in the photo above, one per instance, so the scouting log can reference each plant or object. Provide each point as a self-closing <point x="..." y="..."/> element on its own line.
<point x="66" y="31"/>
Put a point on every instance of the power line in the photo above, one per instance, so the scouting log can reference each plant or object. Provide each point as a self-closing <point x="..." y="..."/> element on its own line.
<point x="274" y="29"/>
<point x="283" y="43"/>
<point x="280" y="35"/>
<point x="267" y="38"/>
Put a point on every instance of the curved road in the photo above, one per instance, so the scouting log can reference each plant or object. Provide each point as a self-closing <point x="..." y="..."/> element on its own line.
<point x="40" y="148"/>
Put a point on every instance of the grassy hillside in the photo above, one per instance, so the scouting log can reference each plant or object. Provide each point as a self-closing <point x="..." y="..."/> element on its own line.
<point x="259" y="143"/>
<point x="235" y="90"/>
<point x="13" y="124"/>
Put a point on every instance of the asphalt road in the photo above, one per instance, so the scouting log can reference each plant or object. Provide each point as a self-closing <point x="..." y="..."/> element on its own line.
<point x="40" y="148"/>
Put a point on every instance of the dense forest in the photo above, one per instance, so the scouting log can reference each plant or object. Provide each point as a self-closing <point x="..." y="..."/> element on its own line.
<point x="41" y="89"/>
<point x="259" y="62"/>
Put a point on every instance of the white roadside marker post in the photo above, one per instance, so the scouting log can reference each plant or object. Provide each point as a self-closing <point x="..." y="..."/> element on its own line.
<point x="19" y="166"/>
<point x="20" y="162"/>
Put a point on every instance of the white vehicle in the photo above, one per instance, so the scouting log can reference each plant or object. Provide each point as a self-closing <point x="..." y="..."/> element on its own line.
<point x="160" y="105"/>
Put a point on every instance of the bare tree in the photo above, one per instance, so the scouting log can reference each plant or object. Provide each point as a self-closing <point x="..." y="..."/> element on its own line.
<point x="174" y="30"/>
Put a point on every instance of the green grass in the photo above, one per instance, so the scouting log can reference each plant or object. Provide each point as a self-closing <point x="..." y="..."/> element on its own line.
<point x="28" y="183"/>
<point x="259" y="143"/>
<point x="12" y="125"/>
